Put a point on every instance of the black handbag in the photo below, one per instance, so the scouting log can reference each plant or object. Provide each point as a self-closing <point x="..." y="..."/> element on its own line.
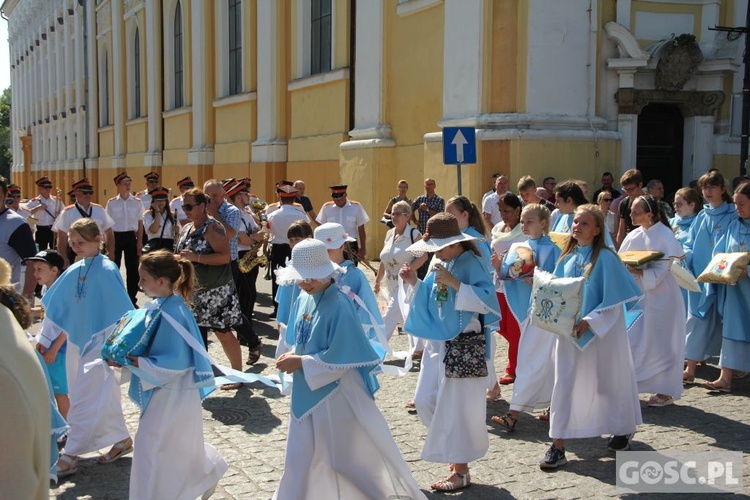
<point x="465" y="356"/>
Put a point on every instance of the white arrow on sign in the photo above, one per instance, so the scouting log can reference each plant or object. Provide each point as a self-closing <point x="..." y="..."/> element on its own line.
<point x="459" y="141"/>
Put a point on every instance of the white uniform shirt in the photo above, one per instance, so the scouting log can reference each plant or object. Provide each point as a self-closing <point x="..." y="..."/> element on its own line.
<point x="148" y="219"/>
<point x="248" y="226"/>
<point x="351" y="216"/>
<point x="71" y="214"/>
<point x="176" y="206"/>
<point x="126" y="212"/>
<point x="279" y="221"/>
<point x="145" y="199"/>
<point x="53" y="205"/>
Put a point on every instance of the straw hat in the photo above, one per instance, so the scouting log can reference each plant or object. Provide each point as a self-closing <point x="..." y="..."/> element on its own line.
<point x="5" y="272"/>
<point x="442" y="231"/>
<point x="332" y="235"/>
<point x="309" y="262"/>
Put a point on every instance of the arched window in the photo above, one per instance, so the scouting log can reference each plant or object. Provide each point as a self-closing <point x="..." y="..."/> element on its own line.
<point x="179" y="97"/>
<point x="235" y="46"/>
<point x="137" y="74"/>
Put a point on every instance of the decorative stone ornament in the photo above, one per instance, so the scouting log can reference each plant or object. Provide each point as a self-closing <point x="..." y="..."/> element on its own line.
<point x="679" y="58"/>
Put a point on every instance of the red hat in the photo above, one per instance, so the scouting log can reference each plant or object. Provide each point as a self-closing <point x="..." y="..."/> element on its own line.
<point x="159" y="193"/>
<point x="152" y="176"/>
<point x="287" y="191"/>
<point x="121" y="177"/>
<point x="14" y="189"/>
<point x="236" y="188"/>
<point x="83" y="184"/>
<point x="185" y="182"/>
<point x="44" y="182"/>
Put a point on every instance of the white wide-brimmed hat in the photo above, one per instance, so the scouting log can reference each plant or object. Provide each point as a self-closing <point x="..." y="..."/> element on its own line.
<point x="332" y="235"/>
<point x="309" y="262"/>
<point x="442" y="231"/>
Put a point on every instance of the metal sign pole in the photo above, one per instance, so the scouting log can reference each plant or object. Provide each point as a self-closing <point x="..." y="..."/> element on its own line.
<point x="459" y="179"/>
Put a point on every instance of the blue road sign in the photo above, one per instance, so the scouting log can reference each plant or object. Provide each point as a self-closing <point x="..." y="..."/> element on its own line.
<point x="459" y="145"/>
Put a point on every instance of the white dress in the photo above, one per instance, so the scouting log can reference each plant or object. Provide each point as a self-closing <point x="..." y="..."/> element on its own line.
<point x="532" y="388"/>
<point x="657" y="341"/>
<point x="343" y="449"/>
<point x="393" y="256"/>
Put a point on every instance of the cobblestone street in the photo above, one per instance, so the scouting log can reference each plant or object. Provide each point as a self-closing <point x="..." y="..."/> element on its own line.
<point x="249" y="429"/>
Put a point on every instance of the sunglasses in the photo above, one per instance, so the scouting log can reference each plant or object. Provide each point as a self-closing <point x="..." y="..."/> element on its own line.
<point x="189" y="206"/>
<point x="85" y="191"/>
<point x="606" y="199"/>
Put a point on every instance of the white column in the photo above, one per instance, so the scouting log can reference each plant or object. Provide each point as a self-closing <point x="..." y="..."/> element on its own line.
<point x="269" y="147"/>
<point x="368" y="105"/>
<point x="80" y="79"/>
<point x="69" y="79"/>
<point x="118" y="87"/>
<point x="154" y="70"/>
<point x="60" y="78"/>
<point x="463" y="43"/>
<point x="201" y="153"/>
<point x="52" y="86"/>
<point x="92" y="107"/>
<point x="697" y="151"/>
<point x="627" y="125"/>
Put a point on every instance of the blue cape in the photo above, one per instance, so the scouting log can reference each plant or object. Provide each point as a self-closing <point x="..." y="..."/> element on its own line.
<point x="608" y="285"/>
<point x="517" y="292"/>
<point x="483" y="245"/>
<point x="709" y="226"/>
<point x="285" y="297"/>
<point x="428" y="321"/>
<point x="327" y="324"/>
<point x="357" y="282"/>
<point x="105" y="301"/>
<point x="734" y="301"/>
<point x="171" y="351"/>
<point x="681" y="227"/>
<point x="563" y="223"/>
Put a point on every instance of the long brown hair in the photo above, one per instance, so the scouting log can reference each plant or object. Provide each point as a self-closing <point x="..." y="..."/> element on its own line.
<point x="179" y="271"/>
<point x="18" y="305"/>
<point x="475" y="215"/>
<point x="597" y="245"/>
<point x="714" y="178"/>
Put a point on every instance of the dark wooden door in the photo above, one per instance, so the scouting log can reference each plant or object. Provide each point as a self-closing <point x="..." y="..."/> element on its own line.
<point x="659" y="153"/>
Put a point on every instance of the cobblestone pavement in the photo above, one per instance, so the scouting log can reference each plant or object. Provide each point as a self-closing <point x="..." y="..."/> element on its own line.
<point x="249" y="428"/>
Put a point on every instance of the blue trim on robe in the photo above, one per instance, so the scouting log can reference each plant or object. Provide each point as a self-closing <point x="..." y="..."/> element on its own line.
<point x="428" y="321"/>
<point x="106" y="300"/>
<point x="709" y="226"/>
<point x="681" y="227"/>
<point x="734" y="301"/>
<point x="171" y="352"/>
<point x="483" y="244"/>
<point x="357" y="282"/>
<point x="336" y="337"/>
<point x="610" y="284"/>
<point x="285" y="297"/>
<point x="517" y="292"/>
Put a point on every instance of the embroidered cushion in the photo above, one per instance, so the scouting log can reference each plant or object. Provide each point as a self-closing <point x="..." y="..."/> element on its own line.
<point x="684" y="277"/>
<point x="639" y="257"/>
<point x="725" y="268"/>
<point x="559" y="239"/>
<point x="131" y="337"/>
<point x="555" y="303"/>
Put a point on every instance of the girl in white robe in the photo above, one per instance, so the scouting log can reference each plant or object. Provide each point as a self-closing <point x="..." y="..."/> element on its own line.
<point x="595" y="390"/>
<point x="657" y="341"/>
<point x="339" y="445"/>
<point x="171" y="460"/>
<point x="446" y="305"/>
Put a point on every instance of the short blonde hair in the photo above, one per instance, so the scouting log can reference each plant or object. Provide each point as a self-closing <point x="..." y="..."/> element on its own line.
<point x="540" y="211"/>
<point x="403" y="205"/>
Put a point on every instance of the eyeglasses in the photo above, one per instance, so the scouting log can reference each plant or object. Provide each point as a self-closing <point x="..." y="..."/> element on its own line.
<point x="394" y="214"/>
<point x="606" y="199"/>
<point x="188" y="207"/>
<point x="629" y="189"/>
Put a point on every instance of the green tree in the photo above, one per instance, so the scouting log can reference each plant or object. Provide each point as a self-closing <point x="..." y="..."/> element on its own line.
<point x="6" y="152"/>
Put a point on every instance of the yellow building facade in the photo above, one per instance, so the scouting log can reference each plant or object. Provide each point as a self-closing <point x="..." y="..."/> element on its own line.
<point x="357" y="92"/>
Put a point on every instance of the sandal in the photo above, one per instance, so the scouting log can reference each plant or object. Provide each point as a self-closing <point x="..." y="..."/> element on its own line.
<point x="712" y="386"/>
<point x="544" y="416"/>
<point x="72" y="466"/>
<point x="417" y="356"/>
<point x="253" y="355"/>
<point x="658" y="401"/>
<point x="687" y="378"/>
<point x="453" y="482"/>
<point x="495" y="394"/>
<point x="118" y="450"/>
<point x="506" y="421"/>
<point x="507" y="379"/>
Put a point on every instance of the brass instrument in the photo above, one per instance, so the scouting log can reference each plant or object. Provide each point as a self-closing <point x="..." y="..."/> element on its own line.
<point x="252" y="258"/>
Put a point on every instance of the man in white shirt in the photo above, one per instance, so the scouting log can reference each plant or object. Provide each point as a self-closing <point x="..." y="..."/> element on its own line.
<point x="278" y="224"/>
<point x="490" y="210"/>
<point x="45" y="208"/>
<point x="83" y="207"/>
<point x="127" y="213"/>
<point x="175" y="205"/>
<point x="152" y="182"/>
<point x="350" y="214"/>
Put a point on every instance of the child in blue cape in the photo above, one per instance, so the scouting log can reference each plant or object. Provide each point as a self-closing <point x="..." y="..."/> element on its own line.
<point x="456" y="299"/>
<point x="171" y="460"/>
<point x="339" y="445"/>
<point x="87" y="302"/>
<point x="588" y="401"/>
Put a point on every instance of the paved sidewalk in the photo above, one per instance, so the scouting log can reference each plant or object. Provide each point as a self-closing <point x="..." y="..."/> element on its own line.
<point x="249" y="429"/>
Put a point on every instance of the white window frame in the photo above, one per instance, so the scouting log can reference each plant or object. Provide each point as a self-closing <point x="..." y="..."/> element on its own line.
<point x="133" y="29"/>
<point x="304" y="37"/>
<point x="222" y="48"/>
<point x="104" y="66"/>
<point x="168" y="29"/>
